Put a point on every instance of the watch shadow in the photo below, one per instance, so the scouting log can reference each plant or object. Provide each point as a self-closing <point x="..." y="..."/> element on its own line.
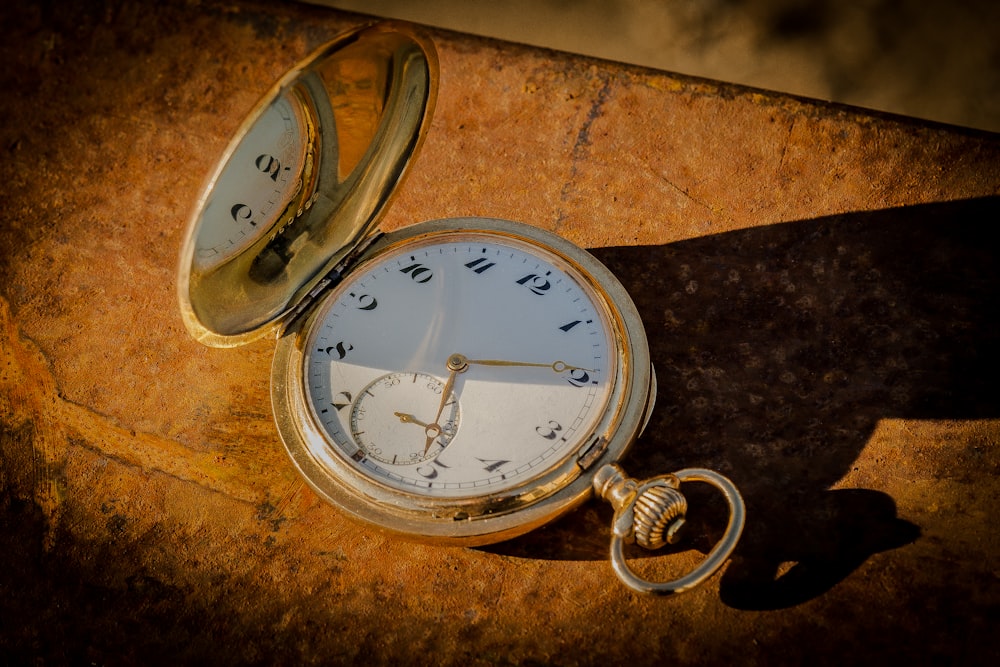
<point x="778" y="349"/>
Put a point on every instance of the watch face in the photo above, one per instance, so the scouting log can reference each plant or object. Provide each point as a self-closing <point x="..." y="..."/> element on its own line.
<point x="458" y="364"/>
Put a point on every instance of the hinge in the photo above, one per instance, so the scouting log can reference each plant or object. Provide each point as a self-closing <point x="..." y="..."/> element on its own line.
<point x="332" y="278"/>
<point x="592" y="451"/>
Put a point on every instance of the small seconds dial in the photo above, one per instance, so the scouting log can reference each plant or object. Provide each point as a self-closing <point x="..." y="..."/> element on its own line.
<point x="398" y="398"/>
<point x="459" y="363"/>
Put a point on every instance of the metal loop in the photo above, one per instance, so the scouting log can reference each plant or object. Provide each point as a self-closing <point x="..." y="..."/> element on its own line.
<point x="624" y="494"/>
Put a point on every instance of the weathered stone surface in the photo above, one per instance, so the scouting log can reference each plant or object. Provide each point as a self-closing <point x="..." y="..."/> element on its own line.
<point x="818" y="284"/>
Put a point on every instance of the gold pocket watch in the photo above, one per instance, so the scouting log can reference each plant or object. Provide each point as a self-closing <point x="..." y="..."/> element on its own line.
<point x="459" y="381"/>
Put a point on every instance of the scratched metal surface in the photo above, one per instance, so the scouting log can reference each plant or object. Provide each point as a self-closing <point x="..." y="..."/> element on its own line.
<point x="816" y="282"/>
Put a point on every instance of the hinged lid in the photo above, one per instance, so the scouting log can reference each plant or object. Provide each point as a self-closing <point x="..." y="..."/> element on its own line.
<point x="304" y="181"/>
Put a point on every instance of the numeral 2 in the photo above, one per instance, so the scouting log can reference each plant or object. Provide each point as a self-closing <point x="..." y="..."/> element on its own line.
<point x="578" y="377"/>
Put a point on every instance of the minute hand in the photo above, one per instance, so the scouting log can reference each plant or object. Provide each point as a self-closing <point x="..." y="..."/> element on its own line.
<point x="557" y="366"/>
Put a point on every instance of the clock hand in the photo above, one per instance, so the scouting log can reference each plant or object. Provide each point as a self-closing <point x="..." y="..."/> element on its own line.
<point x="457" y="363"/>
<point x="558" y="366"/>
<point x="409" y="419"/>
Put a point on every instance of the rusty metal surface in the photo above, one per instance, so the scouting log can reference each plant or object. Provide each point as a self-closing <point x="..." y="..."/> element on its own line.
<point x="818" y="284"/>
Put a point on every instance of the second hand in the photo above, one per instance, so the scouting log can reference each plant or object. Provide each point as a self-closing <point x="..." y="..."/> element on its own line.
<point x="456" y="364"/>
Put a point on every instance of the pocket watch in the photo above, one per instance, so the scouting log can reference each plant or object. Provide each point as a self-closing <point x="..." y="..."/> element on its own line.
<point x="459" y="381"/>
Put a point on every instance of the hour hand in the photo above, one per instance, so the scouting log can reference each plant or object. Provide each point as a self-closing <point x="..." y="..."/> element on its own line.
<point x="432" y="431"/>
<point x="409" y="419"/>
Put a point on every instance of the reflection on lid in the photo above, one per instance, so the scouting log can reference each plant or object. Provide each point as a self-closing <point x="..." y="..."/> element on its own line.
<point x="306" y="182"/>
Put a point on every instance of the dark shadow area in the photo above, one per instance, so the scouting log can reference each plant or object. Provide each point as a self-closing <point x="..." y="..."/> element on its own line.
<point x="778" y="349"/>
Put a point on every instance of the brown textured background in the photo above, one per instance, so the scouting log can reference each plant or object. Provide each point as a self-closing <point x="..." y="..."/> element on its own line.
<point x="932" y="59"/>
<point x="818" y="284"/>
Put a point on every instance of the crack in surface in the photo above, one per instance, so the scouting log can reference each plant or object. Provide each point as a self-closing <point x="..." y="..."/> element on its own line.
<point x="582" y="143"/>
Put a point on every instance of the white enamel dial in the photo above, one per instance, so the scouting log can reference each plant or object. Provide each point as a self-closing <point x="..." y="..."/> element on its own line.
<point x="459" y="365"/>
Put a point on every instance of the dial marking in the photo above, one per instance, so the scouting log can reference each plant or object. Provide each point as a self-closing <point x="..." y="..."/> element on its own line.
<point x="480" y="265"/>
<point x="420" y="273"/>
<point x="500" y="400"/>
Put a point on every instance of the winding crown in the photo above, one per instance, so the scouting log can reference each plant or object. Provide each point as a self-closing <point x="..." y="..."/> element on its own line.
<point x="659" y="515"/>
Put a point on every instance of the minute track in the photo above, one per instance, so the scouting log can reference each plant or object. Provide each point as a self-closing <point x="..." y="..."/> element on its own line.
<point x="492" y="312"/>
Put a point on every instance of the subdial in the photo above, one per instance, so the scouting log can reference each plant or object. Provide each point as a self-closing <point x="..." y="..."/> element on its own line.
<point x="392" y="419"/>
